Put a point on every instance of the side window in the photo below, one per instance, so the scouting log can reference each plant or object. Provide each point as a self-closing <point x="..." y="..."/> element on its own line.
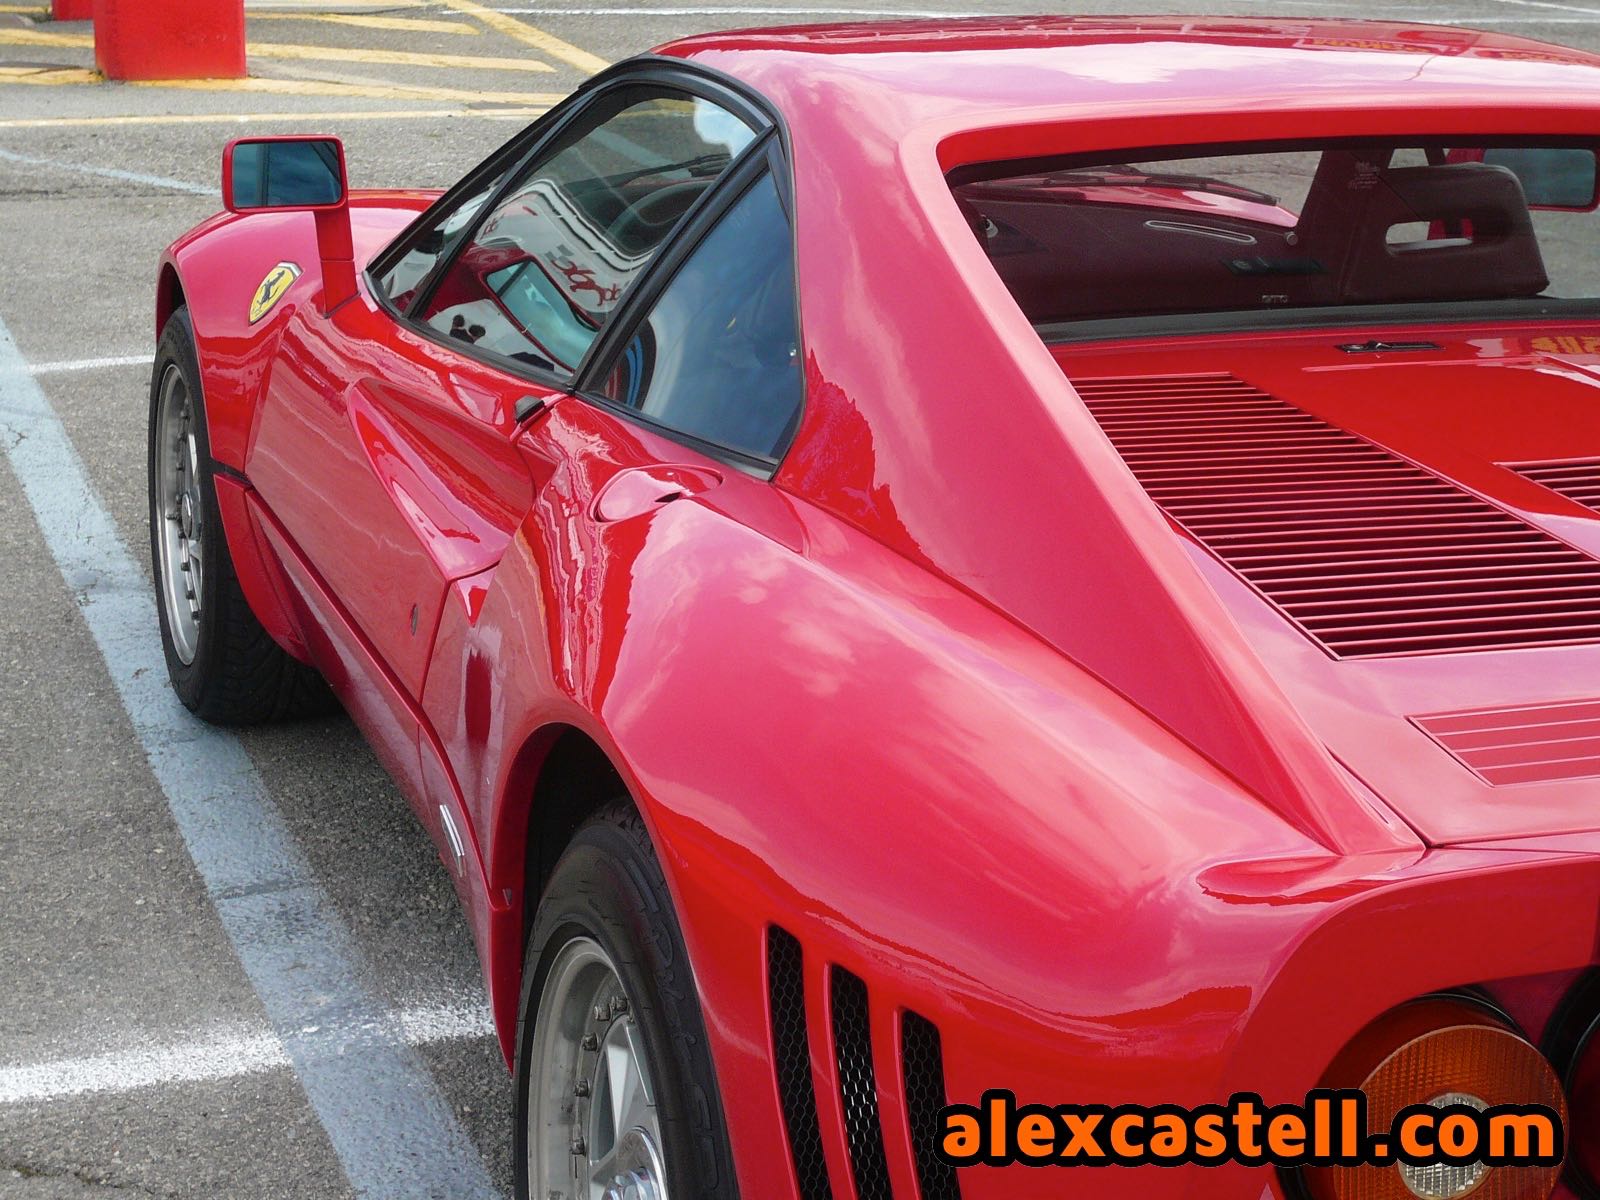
<point x="549" y="265"/>
<point x="401" y="280"/>
<point x="718" y="356"/>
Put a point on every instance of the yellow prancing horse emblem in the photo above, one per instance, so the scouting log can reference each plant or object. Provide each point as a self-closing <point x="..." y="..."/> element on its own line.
<point x="272" y="289"/>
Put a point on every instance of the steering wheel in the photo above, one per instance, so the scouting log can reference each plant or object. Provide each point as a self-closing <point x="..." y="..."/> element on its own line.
<point x="648" y="218"/>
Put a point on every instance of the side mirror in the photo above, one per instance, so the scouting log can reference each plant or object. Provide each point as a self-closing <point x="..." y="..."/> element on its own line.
<point x="302" y="173"/>
<point x="289" y="172"/>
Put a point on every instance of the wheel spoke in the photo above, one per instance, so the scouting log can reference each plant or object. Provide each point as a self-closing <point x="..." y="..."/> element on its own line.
<point x="602" y="1170"/>
<point x="634" y="1109"/>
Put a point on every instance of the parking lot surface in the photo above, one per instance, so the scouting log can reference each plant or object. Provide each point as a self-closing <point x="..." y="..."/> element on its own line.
<point x="230" y="963"/>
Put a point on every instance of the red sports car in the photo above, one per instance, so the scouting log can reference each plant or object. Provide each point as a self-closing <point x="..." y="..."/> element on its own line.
<point x="898" y="562"/>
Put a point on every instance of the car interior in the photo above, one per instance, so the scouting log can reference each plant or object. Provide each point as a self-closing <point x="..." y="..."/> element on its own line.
<point x="1344" y="225"/>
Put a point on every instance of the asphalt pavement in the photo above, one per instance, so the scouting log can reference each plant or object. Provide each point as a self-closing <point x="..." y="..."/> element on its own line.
<point x="165" y="1031"/>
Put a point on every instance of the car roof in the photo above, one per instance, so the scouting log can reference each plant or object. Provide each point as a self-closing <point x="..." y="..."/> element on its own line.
<point x="966" y="70"/>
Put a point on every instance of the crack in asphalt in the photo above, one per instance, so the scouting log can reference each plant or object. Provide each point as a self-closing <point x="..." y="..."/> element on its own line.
<point x="83" y="1176"/>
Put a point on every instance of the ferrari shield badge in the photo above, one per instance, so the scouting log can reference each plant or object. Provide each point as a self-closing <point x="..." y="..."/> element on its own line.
<point x="272" y="289"/>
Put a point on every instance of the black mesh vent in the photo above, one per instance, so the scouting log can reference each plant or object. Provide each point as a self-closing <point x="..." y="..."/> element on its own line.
<point x="924" y="1068"/>
<point x="792" y="1056"/>
<point x="858" y="1087"/>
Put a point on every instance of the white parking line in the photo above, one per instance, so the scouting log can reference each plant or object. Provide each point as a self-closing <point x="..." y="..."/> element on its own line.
<point x="93" y="364"/>
<point x="1593" y="13"/>
<point x="392" y="1131"/>
<point x="210" y="1055"/>
<point x="161" y="181"/>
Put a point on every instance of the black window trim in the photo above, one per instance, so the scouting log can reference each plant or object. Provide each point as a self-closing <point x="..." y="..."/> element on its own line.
<point x="656" y="278"/>
<point x="676" y="74"/>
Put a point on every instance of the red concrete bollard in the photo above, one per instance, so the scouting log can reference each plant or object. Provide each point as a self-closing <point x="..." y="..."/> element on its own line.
<point x="169" y="39"/>
<point x="72" y="10"/>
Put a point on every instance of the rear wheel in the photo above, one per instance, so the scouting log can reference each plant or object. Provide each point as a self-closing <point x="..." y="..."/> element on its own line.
<point x="616" y="1098"/>
<point x="224" y="666"/>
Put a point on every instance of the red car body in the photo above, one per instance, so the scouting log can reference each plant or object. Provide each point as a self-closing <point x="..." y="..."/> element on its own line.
<point x="948" y="698"/>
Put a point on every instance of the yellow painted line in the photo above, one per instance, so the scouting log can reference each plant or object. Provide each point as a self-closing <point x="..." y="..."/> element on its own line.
<point x="297" y="53"/>
<point x="373" y="91"/>
<point x="296" y="118"/>
<point x="254" y="8"/>
<point x="48" y="75"/>
<point x="27" y="10"/>
<point x="508" y="25"/>
<point x="399" y="58"/>
<point x="41" y="37"/>
<point x="399" y="24"/>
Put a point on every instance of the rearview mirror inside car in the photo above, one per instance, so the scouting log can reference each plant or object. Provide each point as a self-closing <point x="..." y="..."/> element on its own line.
<point x="287" y="172"/>
<point x="1552" y="178"/>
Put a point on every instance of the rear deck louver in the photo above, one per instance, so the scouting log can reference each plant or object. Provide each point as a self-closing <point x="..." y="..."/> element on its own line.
<point x="1368" y="553"/>
<point x="1540" y="743"/>
<point x="864" y="1151"/>
<point x="1578" y="479"/>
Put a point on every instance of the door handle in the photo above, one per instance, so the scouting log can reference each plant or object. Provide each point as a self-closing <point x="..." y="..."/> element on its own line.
<point x="639" y="490"/>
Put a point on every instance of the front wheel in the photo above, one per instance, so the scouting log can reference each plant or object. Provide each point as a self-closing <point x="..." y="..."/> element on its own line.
<point x="616" y="1097"/>
<point x="224" y="666"/>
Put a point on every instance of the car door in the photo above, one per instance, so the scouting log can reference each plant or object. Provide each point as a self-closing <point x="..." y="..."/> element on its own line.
<point x="384" y="442"/>
<point x="683" y="410"/>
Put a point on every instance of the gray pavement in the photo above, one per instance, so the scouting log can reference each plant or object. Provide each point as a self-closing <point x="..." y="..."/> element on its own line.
<point x="139" y="1049"/>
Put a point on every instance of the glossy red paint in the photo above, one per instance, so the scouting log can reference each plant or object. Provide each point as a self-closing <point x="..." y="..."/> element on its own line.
<point x="948" y="698"/>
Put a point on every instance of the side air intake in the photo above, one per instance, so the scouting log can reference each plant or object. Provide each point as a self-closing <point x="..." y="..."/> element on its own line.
<point x="865" y="1150"/>
<point x="858" y="1086"/>
<point x="922" y="1057"/>
<point x="792" y="1059"/>
<point x="1366" y="552"/>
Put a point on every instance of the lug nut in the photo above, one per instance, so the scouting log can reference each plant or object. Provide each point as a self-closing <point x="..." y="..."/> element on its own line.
<point x="619" y="1005"/>
<point x="581" y="1088"/>
<point x="578" y="1147"/>
<point x="602" y="1013"/>
<point x="590" y="1042"/>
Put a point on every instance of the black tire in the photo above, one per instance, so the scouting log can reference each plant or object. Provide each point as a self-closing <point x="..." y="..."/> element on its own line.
<point x="238" y="675"/>
<point x="608" y="886"/>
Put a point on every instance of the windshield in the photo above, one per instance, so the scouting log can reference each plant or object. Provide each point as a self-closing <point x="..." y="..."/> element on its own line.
<point x="1249" y="231"/>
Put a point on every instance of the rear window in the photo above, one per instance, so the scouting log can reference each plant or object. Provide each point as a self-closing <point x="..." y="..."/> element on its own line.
<point x="1246" y="235"/>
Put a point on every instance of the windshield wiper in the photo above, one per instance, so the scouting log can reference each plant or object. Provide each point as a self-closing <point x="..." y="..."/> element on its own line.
<point x="701" y="166"/>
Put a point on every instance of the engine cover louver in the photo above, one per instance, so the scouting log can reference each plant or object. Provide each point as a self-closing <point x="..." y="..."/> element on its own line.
<point x="1537" y="744"/>
<point x="1578" y="479"/>
<point x="1366" y="552"/>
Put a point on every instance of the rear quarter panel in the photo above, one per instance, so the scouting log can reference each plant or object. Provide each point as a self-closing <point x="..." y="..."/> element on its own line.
<point x="824" y="736"/>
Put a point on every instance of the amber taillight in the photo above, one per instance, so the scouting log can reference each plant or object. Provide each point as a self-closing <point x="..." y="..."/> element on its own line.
<point x="1440" y="1052"/>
